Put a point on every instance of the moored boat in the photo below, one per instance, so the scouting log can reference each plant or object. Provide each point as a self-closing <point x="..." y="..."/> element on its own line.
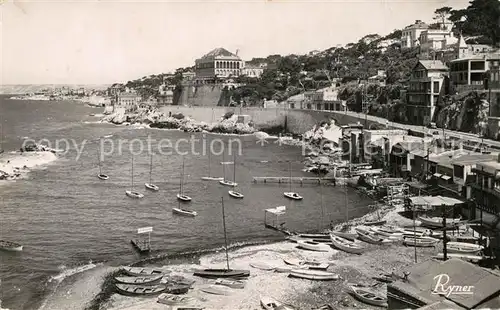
<point x="369" y="296"/>
<point x="103" y="176"/>
<point x="129" y="289"/>
<point x="292" y="195"/>
<point x="180" y="195"/>
<point x="138" y="280"/>
<point x="230" y="283"/>
<point x="463" y="248"/>
<point x="228" y="183"/>
<point x="10" y="246"/>
<point x="212" y="178"/>
<point x="346" y="245"/>
<point x="133" y="194"/>
<point x="313" y="274"/>
<point x="313" y="246"/>
<point x="183" y="197"/>
<point x="235" y="194"/>
<point x="142" y="271"/>
<point x="152" y="187"/>
<point x="184" y="212"/>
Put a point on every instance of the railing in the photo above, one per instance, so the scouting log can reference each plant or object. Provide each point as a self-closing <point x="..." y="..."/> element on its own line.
<point x="466" y="88"/>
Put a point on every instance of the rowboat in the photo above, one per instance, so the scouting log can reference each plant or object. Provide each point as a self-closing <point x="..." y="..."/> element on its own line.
<point x="134" y="194"/>
<point x="315" y="236"/>
<point x="373" y="223"/>
<point x="466" y="257"/>
<point x="313" y="274"/>
<point x="292" y="195"/>
<point x="438" y="221"/>
<point x="370" y="238"/>
<point x="313" y="246"/>
<point x="348" y="236"/>
<point x="129" y="289"/>
<point x="177" y="288"/>
<point x="216" y="290"/>
<point x="138" y="280"/>
<point x="368" y="296"/>
<point x="183" y="197"/>
<point x="420" y="242"/>
<point x="178" y="280"/>
<point x="388" y="232"/>
<point x="262" y="266"/>
<point x="172" y="300"/>
<point x="141" y="271"/>
<point x="306" y="264"/>
<point x="10" y="246"/>
<point x="463" y="248"/>
<point x="230" y="283"/>
<point x="270" y="304"/>
<point x="222" y="273"/>
<point x="235" y="194"/>
<point x="184" y="212"/>
<point x="346" y="245"/>
<point x="103" y="176"/>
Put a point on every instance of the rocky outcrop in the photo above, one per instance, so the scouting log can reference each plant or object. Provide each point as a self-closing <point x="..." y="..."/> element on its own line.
<point x="36" y="148"/>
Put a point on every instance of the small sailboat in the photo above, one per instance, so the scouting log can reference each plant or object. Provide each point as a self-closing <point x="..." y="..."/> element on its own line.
<point x="180" y="195"/>
<point x="184" y="212"/>
<point x="150" y="185"/>
<point x="234" y="193"/>
<point x="1" y="140"/>
<point x="368" y="296"/>
<point x="210" y="177"/>
<point x="290" y="194"/>
<point x="224" y="181"/>
<point x="223" y="273"/>
<point x="131" y="193"/>
<point x="101" y="175"/>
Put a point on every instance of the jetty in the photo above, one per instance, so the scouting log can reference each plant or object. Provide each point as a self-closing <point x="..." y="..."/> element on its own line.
<point x="300" y="180"/>
<point x="141" y="244"/>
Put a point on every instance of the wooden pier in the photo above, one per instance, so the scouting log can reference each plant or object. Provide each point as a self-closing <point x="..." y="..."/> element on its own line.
<point x="300" y="180"/>
<point x="141" y="245"/>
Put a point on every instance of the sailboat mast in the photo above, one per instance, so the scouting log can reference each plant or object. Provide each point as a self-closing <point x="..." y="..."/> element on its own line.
<point x="225" y="235"/>
<point x="209" y="159"/>
<point x="290" y="172"/>
<point x="182" y="177"/>
<point x="99" y="160"/>
<point x="234" y="168"/>
<point x="224" y="165"/>
<point x="150" y="169"/>
<point x="132" y="170"/>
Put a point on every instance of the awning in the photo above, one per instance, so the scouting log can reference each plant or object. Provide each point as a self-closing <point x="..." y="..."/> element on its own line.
<point x="445" y="177"/>
<point x="437" y="175"/>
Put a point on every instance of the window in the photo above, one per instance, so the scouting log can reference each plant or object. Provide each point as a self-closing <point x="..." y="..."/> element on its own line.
<point x="436" y="87"/>
<point x="497" y="185"/>
<point x="477" y="65"/>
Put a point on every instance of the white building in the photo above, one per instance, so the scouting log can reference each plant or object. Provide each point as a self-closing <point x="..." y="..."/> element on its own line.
<point x="410" y="35"/>
<point x="254" y="70"/>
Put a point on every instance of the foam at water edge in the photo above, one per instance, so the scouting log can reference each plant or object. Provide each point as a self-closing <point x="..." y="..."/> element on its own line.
<point x="72" y="271"/>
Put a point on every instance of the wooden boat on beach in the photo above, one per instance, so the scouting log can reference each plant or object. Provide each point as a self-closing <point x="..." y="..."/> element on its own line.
<point x="373" y="223"/>
<point x="178" y="280"/>
<point x="216" y="290"/>
<point x="173" y="300"/>
<point x="313" y="274"/>
<point x="346" y="245"/>
<point x="437" y="222"/>
<point x="150" y="185"/>
<point x="313" y="246"/>
<point x="230" y="283"/>
<point x="262" y="266"/>
<point x="369" y="296"/>
<point x="270" y="304"/>
<point x="420" y="242"/>
<point x="306" y="264"/>
<point x="138" y="280"/>
<point x="466" y="257"/>
<point x="10" y="246"/>
<point x="177" y="289"/>
<point x="184" y="212"/>
<point x="348" y="236"/>
<point x="464" y="248"/>
<point x="129" y="289"/>
<point x="370" y="238"/>
<point x="142" y="271"/>
<point x="314" y="236"/>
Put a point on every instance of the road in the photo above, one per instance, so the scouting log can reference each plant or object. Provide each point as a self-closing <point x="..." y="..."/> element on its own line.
<point x="463" y="136"/>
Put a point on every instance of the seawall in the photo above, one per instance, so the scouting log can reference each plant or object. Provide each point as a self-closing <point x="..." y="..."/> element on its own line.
<point x="202" y="96"/>
<point x="295" y="121"/>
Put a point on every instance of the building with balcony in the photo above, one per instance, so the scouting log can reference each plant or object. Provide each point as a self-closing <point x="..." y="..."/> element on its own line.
<point x="432" y="40"/>
<point x="428" y="83"/>
<point x="129" y="100"/>
<point x="165" y="95"/>
<point x="218" y="64"/>
<point x="470" y="72"/>
<point x="254" y="71"/>
<point x="410" y="35"/>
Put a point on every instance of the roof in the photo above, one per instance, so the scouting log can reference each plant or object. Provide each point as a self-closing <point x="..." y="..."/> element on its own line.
<point x="482" y="56"/>
<point x="422" y="281"/>
<point x="434" y="201"/>
<point x="433" y="65"/>
<point x="472" y="158"/>
<point x="220" y="52"/>
<point x="491" y="167"/>
<point x="409" y="145"/>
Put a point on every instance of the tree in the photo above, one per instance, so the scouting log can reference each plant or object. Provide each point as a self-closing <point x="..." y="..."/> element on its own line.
<point x="480" y="18"/>
<point x="442" y="14"/>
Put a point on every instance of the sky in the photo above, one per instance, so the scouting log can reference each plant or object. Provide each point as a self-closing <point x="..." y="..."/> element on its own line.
<point x="102" y="42"/>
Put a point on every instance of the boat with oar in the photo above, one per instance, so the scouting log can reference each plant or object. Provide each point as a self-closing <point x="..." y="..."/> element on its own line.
<point x="313" y="274"/>
<point x="369" y="296"/>
<point x="180" y="195"/>
<point x="313" y="246"/>
<point x="173" y="300"/>
<point x="131" y="193"/>
<point x="464" y="248"/>
<point x="210" y="177"/>
<point x="130" y="289"/>
<point x="223" y="273"/>
<point x="224" y="181"/>
<point x="348" y="236"/>
<point x="290" y="194"/>
<point x="138" y="280"/>
<point x="231" y="283"/>
<point x="420" y="241"/>
<point x="150" y="185"/>
<point x="143" y="271"/>
<point x="101" y="175"/>
<point x="346" y="245"/>
<point x="10" y="246"/>
<point x="437" y="222"/>
<point x="305" y="264"/>
<point x="269" y="303"/>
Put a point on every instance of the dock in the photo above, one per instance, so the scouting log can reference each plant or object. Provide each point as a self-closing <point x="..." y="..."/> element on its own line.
<point x="141" y="245"/>
<point x="299" y="180"/>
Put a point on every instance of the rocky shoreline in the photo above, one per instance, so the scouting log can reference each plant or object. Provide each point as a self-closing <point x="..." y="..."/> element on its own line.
<point x="15" y="165"/>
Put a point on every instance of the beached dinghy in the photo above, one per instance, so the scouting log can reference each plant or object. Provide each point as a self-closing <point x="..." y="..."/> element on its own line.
<point x="348" y="236"/>
<point x="313" y="246"/>
<point x="222" y="273"/>
<point x="262" y="266"/>
<point x="438" y="221"/>
<point x="271" y="304"/>
<point x="420" y="241"/>
<point x="463" y="248"/>
<point x="315" y="236"/>
<point x="138" y="280"/>
<point x="216" y="290"/>
<point x="184" y="212"/>
<point x="10" y="246"/>
<point x="129" y="289"/>
<point x="178" y="280"/>
<point x="388" y="232"/>
<point x="346" y="245"/>
<point x="306" y="264"/>
<point x="177" y="289"/>
<point x="313" y="274"/>
<point x="141" y="271"/>
<point x="230" y="283"/>
<point x="368" y="296"/>
<point x="173" y="300"/>
<point x="466" y="257"/>
<point x="373" y="223"/>
<point x="370" y="238"/>
<point x="235" y="194"/>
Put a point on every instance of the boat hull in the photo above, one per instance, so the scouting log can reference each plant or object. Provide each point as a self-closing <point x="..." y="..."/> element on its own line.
<point x="313" y="246"/>
<point x="132" y="194"/>
<point x="212" y="178"/>
<point x="313" y="275"/>
<point x="292" y="195"/>
<point x="103" y="176"/>
<point x="228" y="183"/>
<point x="369" y="297"/>
<point x="464" y="248"/>
<point x="437" y="223"/>
<point x="348" y="236"/>
<point x="183" y="198"/>
<point x="346" y="245"/>
<point x="235" y="194"/>
<point x="184" y="212"/>
<point x="222" y="273"/>
<point x="138" y="280"/>
<point x="151" y="187"/>
<point x="10" y="246"/>
<point x="139" y="290"/>
<point x="141" y="272"/>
